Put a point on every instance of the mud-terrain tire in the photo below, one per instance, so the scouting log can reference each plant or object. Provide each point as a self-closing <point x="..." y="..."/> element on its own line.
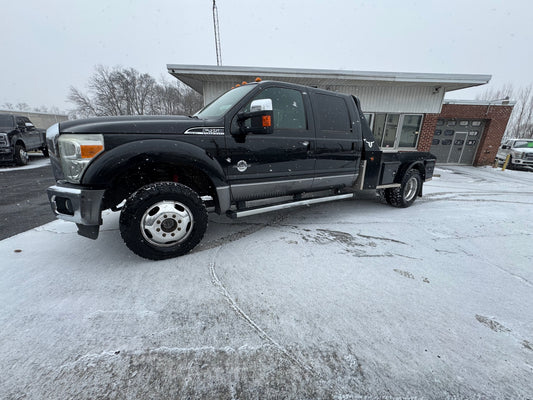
<point x="163" y="220"/>
<point x="21" y="157"/>
<point x="406" y="194"/>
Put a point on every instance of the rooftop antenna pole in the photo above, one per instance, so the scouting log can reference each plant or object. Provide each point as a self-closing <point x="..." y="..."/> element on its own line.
<point x="217" y="34"/>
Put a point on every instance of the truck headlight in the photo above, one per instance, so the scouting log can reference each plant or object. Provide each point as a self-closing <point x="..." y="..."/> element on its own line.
<point x="76" y="152"/>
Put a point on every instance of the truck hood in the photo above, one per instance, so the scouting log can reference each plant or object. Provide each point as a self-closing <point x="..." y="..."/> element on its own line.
<point x="524" y="150"/>
<point x="145" y="124"/>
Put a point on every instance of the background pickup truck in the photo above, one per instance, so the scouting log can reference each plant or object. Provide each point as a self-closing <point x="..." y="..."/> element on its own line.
<point x="282" y="144"/>
<point x="520" y="152"/>
<point x="18" y="136"/>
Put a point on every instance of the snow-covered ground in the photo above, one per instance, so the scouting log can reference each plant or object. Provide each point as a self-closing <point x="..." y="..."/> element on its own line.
<point x="351" y="299"/>
<point x="37" y="160"/>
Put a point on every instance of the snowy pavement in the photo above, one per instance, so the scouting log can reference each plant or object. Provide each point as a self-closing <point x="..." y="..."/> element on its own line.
<point x="350" y="299"/>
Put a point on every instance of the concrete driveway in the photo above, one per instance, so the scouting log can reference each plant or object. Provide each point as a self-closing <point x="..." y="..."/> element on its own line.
<point x="344" y="300"/>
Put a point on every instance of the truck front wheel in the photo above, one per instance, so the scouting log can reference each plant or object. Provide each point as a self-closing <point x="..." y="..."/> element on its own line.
<point x="406" y="194"/>
<point x="163" y="220"/>
<point x="21" y="156"/>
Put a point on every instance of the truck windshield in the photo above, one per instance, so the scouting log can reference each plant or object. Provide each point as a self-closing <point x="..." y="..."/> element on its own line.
<point x="218" y="107"/>
<point x="523" y="144"/>
<point x="6" y="121"/>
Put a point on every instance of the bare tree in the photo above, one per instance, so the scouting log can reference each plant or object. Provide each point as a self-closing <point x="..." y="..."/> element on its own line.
<point x="120" y="91"/>
<point x="521" y="122"/>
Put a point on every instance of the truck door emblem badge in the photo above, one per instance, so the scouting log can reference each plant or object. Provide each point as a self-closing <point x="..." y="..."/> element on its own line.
<point x="242" y="166"/>
<point x="205" y="131"/>
<point x="370" y="144"/>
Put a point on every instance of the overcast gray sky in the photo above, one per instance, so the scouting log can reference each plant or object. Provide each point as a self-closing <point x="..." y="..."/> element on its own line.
<point x="48" y="46"/>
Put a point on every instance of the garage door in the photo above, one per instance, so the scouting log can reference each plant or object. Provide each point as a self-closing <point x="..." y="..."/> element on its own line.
<point x="455" y="141"/>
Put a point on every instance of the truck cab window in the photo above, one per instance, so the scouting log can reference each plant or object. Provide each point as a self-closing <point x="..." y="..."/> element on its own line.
<point x="287" y="106"/>
<point x="333" y="113"/>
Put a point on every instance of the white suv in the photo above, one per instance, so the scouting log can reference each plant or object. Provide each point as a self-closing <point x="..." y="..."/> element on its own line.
<point x="520" y="150"/>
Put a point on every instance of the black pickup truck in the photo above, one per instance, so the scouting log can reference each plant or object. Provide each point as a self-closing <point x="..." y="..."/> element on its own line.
<point x="259" y="147"/>
<point x="18" y="136"/>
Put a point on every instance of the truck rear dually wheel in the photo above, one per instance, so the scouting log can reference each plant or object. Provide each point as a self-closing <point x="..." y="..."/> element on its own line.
<point x="406" y="194"/>
<point x="163" y="220"/>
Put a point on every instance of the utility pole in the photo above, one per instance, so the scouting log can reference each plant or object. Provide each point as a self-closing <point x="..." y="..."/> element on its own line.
<point x="217" y="34"/>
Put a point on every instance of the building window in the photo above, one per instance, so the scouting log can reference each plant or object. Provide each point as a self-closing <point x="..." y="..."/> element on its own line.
<point x="451" y="122"/>
<point x="370" y="119"/>
<point x="463" y="123"/>
<point x="476" y="123"/>
<point x="391" y="127"/>
<point x="409" y="130"/>
<point x="393" y="131"/>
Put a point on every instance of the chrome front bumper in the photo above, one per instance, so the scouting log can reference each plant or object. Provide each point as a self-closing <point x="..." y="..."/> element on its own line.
<point x="81" y="206"/>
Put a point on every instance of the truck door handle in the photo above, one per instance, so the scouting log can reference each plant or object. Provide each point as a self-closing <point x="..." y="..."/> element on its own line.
<point x="305" y="143"/>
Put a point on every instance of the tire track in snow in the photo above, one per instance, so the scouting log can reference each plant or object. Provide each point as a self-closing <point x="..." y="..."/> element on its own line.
<point x="251" y="228"/>
<point x="240" y="312"/>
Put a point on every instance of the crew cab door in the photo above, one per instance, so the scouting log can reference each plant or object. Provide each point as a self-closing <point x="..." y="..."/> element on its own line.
<point x="276" y="164"/>
<point x="338" y="140"/>
<point x="29" y="134"/>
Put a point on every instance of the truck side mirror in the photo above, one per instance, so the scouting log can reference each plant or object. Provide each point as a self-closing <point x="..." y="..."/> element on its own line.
<point x="29" y="126"/>
<point x="505" y="147"/>
<point x="261" y="118"/>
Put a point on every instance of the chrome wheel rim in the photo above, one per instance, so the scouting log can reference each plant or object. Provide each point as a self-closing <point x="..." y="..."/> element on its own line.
<point x="410" y="189"/>
<point x="23" y="155"/>
<point x="167" y="223"/>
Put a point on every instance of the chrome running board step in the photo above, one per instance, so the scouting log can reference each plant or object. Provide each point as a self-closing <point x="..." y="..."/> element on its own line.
<point x="260" y="210"/>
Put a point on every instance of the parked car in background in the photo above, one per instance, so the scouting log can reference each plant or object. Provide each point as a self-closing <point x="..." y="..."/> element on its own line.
<point x="520" y="152"/>
<point x="18" y="135"/>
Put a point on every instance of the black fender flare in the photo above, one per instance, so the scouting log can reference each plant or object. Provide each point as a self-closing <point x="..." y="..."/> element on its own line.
<point x="109" y="164"/>
<point x="404" y="167"/>
<point x="16" y="138"/>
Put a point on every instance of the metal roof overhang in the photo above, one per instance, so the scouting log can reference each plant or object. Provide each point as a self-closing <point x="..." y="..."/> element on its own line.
<point x="196" y="75"/>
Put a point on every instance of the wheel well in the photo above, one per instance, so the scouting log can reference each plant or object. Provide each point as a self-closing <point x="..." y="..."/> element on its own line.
<point x="422" y="170"/>
<point x="21" y="143"/>
<point x="128" y="182"/>
<point x="409" y="166"/>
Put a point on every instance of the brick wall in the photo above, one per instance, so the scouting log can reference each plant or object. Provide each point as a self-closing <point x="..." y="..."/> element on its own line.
<point x="495" y="117"/>
<point x="427" y="131"/>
